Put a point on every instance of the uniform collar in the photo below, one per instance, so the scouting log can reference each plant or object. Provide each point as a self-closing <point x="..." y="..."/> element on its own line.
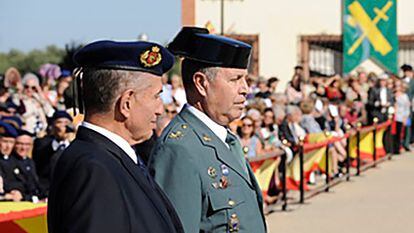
<point x="218" y="130"/>
<point x="115" y="138"/>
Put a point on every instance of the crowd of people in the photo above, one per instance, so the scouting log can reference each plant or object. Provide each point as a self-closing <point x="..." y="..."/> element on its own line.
<point x="37" y="119"/>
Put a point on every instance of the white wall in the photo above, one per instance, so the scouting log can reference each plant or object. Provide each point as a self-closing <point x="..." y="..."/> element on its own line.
<point x="280" y="23"/>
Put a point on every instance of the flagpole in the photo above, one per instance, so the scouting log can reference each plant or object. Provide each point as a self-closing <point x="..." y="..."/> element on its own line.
<point x="222" y="17"/>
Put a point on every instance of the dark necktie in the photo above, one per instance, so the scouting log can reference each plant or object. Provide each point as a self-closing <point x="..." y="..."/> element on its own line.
<point x="144" y="169"/>
<point x="236" y="149"/>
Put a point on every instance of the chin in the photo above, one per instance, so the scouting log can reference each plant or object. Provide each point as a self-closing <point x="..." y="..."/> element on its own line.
<point x="145" y="137"/>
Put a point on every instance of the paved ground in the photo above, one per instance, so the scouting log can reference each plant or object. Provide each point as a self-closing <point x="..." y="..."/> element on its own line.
<point x="380" y="201"/>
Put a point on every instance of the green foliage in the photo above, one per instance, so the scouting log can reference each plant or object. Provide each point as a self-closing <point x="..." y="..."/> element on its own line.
<point x="32" y="60"/>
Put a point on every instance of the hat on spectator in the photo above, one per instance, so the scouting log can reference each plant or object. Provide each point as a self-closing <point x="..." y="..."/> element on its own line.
<point x="406" y="67"/>
<point x="198" y="45"/>
<point x="136" y="56"/>
<point x="6" y="130"/>
<point x="65" y="73"/>
<point x="14" y="121"/>
<point x="22" y="132"/>
<point x="61" y="114"/>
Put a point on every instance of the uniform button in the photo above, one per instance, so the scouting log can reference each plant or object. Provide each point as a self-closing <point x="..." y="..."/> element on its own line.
<point x="184" y="126"/>
<point x="232" y="203"/>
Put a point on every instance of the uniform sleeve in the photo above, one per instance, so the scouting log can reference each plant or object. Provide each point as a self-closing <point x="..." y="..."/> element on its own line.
<point x="92" y="201"/>
<point x="178" y="177"/>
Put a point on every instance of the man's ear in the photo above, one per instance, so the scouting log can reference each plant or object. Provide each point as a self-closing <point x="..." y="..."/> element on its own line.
<point x="125" y="103"/>
<point x="201" y="83"/>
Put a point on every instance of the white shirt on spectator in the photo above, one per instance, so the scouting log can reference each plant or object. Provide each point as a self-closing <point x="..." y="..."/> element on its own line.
<point x="383" y="96"/>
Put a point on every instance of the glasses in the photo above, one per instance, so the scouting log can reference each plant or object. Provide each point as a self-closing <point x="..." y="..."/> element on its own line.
<point x="247" y="125"/>
<point x="30" y="87"/>
<point x="171" y="111"/>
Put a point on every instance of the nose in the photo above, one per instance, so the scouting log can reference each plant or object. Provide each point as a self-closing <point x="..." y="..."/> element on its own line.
<point x="244" y="88"/>
<point x="159" y="108"/>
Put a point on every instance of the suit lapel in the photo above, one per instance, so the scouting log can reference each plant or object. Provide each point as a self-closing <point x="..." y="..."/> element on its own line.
<point x="128" y="164"/>
<point x="209" y="138"/>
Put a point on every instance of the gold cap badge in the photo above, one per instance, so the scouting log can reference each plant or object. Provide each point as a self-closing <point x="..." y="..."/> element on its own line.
<point x="151" y="57"/>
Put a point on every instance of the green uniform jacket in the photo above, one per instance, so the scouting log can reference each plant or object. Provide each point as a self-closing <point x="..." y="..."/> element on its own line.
<point x="190" y="162"/>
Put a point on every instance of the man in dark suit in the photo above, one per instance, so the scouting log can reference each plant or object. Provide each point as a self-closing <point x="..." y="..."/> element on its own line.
<point x="32" y="190"/>
<point x="380" y="99"/>
<point x="100" y="184"/>
<point x="13" y="185"/>
<point x="46" y="150"/>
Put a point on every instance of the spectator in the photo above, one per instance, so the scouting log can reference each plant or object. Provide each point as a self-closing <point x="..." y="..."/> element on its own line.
<point x="48" y="149"/>
<point x="294" y="90"/>
<point x="251" y="144"/>
<point x="170" y="110"/>
<point x="166" y="94"/>
<point x="272" y="84"/>
<point x="36" y="106"/>
<point x="10" y="173"/>
<point x="178" y="91"/>
<point x="264" y="91"/>
<point x="379" y="100"/>
<point x="402" y="113"/>
<point x="22" y="150"/>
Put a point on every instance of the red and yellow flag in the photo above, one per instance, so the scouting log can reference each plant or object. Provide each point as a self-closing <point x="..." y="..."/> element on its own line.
<point x="264" y="171"/>
<point x="23" y="217"/>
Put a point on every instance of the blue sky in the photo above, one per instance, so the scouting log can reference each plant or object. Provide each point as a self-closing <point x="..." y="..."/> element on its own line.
<point x="34" y="24"/>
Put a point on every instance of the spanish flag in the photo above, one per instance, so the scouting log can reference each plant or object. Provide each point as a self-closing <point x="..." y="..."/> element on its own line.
<point x="23" y="217"/>
<point x="313" y="159"/>
<point x="264" y="171"/>
<point x="367" y="144"/>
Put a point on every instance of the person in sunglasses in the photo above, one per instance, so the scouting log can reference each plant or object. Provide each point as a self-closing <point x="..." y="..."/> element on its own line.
<point x="35" y="107"/>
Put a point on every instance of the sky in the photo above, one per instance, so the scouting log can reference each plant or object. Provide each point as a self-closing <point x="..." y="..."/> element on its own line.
<point x="34" y="24"/>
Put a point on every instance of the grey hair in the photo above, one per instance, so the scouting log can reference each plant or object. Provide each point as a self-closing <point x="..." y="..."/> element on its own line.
<point x="292" y="109"/>
<point x="30" y="76"/>
<point x="279" y="112"/>
<point x="210" y="72"/>
<point x="101" y="87"/>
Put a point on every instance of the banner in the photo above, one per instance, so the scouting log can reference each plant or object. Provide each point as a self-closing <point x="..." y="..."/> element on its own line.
<point x="23" y="217"/>
<point x="370" y="32"/>
<point x="312" y="160"/>
<point x="264" y="171"/>
<point x="366" y="145"/>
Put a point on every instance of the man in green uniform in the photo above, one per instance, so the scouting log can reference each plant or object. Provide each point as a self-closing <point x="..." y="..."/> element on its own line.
<point x="197" y="161"/>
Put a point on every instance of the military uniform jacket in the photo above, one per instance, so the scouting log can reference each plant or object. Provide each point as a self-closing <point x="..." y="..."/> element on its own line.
<point x="97" y="188"/>
<point x="190" y="163"/>
<point x="13" y="178"/>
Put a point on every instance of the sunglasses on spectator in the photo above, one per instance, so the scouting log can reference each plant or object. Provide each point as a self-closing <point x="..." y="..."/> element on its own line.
<point x="30" y="87"/>
<point x="171" y="111"/>
<point x="247" y="125"/>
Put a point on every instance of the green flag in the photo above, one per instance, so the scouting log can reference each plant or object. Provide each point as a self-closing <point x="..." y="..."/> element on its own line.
<point x="370" y="31"/>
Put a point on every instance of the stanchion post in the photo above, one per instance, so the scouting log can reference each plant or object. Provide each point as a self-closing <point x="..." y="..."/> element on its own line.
<point x="348" y="153"/>
<point x="327" y="133"/>
<point x="374" y="153"/>
<point x="389" y="136"/>
<point x="284" y="190"/>
<point x="358" y="148"/>
<point x="302" y="180"/>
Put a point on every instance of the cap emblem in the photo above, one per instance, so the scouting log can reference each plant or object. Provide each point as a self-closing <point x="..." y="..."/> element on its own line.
<point x="151" y="57"/>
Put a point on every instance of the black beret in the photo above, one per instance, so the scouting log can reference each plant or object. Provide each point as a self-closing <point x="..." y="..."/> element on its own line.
<point x="198" y="45"/>
<point x="136" y="56"/>
<point x="61" y="114"/>
<point x="406" y="67"/>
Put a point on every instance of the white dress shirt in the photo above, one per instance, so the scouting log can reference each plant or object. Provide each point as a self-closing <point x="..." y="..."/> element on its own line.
<point x="218" y="130"/>
<point x="115" y="138"/>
